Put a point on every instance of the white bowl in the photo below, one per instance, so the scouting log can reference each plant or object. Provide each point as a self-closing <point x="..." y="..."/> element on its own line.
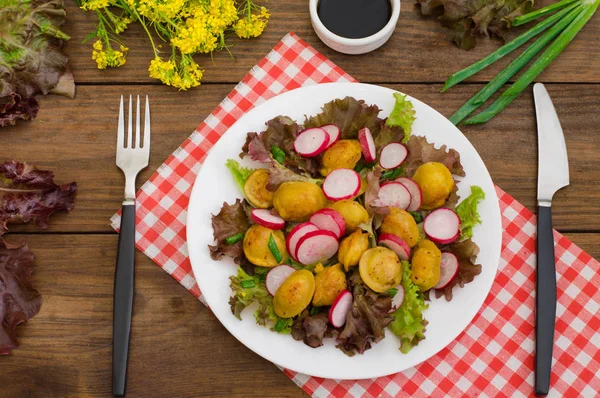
<point x="354" y="46"/>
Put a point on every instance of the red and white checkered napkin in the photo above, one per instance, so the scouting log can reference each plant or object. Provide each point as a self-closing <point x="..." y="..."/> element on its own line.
<point x="493" y="357"/>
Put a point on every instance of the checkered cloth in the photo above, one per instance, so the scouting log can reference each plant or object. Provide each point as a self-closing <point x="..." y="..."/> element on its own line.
<point x="493" y="357"/>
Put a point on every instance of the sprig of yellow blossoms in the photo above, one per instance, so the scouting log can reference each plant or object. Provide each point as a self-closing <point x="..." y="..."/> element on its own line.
<point x="189" y="26"/>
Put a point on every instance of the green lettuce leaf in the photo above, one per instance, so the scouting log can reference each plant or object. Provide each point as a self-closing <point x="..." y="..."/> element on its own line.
<point x="240" y="174"/>
<point x="467" y="212"/>
<point x="403" y="115"/>
<point x="248" y="290"/>
<point x="409" y="324"/>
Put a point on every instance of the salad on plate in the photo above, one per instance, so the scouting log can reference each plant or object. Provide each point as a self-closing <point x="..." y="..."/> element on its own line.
<point x="347" y="226"/>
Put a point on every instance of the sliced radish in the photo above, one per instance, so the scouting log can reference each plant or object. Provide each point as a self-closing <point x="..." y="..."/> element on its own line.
<point x="448" y="270"/>
<point x="311" y="142"/>
<point x="296" y="234"/>
<point x="340" y="308"/>
<point x="394" y="194"/>
<point x="334" y="134"/>
<point x="442" y="226"/>
<point x="329" y="220"/>
<point x="397" y="300"/>
<point x="395" y="244"/>
<point x="341" y="184"/>
<point x="415" y="192"/>
<point x="316" y="246"/>
<point x="266" y="219"/>
<point x="392" y="155"/>
<point x="276" y="276"/>
<point x="368" y="145"/>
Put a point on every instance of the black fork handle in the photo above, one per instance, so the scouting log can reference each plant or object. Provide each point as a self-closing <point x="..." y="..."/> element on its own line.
<point x="123" y="298"/>
<point x="545" y="307"/>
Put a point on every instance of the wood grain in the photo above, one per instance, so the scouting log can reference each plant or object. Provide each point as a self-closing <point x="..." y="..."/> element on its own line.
<point x="419" y="51"/>
<point x="76" y="139"/>
<point x="178" y="348"/>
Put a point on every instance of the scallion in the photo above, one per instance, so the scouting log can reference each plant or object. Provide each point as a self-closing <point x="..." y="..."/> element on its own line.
<point x="392" y="174"/>
<point x="539" y="65"/>
<point x="392" y="292"/>
<point x="274" y="249"/>
<point x="230" y="240"/>
<point x="248" y="283"/>
<point x="278" y="154"/>
<point x="523" y="19"/>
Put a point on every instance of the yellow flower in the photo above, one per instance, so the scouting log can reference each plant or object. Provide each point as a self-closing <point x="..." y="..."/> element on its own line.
<point x="94" y="4"/>
<point x="121" y="24"/>
<point x="183" y="76"/>
<point x="109" y="57"/>
<point x="252" y="25"/>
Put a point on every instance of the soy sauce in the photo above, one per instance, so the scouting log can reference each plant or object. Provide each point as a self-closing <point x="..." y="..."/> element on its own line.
<point x="354" y="19"/>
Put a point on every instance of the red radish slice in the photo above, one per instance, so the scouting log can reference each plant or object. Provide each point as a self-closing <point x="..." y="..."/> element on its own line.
<point x="311" y="142"/>
<point x="394" y="194"/>
<point x="296" y="234"/>
<point x="317" y="246"/>
<point x="341" y="184"/>
<point x="392" y="155"/>
<point x="415" y="192"/>
<point x="442" y="226"/>
<point x="397" y="300"/>
<point x="340" y="308"/>
<point x="266" y="219"/>
<point x="334" y="134"/>
<point x="448" y="270"/>
<point x="329" y="220"/>
<point x="368" y="145"/>
<point x="276" y="276"/>
<point x="396" y="244"/>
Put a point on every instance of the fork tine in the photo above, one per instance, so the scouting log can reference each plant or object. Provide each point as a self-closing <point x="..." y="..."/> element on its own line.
<point x="138" y="144"/>
<point x="147" y="127"/>
<point x="121" y="127"/>
<point x="129" y="126"/>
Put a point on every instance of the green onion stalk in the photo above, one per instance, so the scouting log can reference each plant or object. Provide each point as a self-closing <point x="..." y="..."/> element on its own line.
<point x="561" y="27"/>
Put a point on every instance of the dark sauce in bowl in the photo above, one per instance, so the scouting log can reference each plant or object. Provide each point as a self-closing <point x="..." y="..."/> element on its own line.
<point x="354" y="19"/>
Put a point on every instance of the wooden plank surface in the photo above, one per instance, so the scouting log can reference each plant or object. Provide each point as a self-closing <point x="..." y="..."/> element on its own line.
<point x="417" y="52"/>
<point x="178" y="348"/>
<point x="76" y="138"/>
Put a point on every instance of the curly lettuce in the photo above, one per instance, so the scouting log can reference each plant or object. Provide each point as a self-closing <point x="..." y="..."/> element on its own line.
<point x="239" y="173"/>
<point x="403" y="115"/>
<point x="31" y="58"/>
<point x="232" y="220"/>
<point x="466" y="252"/>
<point x="468" y="214"/>
<point x="409" y="323"/>
<point x="248" y="290"/>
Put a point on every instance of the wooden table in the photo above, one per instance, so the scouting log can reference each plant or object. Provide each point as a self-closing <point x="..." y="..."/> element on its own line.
<point x="178" y="348"/>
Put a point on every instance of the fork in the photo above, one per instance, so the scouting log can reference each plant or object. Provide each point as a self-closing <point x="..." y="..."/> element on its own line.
<point x="132" y="157"/>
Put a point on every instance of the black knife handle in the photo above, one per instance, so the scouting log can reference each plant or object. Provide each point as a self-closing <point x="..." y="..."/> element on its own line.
<point x="123" y="298"/>
<point x="545" y="306"/>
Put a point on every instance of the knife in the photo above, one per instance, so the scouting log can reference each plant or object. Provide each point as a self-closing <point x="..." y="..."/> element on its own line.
<point x="553" y="174"/>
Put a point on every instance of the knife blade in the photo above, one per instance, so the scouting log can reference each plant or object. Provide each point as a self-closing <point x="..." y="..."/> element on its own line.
<point x="553" y="174"/>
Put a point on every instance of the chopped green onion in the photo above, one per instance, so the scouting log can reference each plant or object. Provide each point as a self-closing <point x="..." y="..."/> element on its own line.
<point x="523" y="19"/>
<point x="489" y="89"/>
<point x="314" y="311"/>
<point x="539" y="65"/>
<point x="248" y="283"/>
<point x="234" y="238"/>
<point x="278" y="154"/>
<point x="417" y="216"/>
<point x="392" y="174"/>
<point x="392" y="292"/>
<point x="280" y="325"/>
<point x="274" y="249"/>
<point x="504" y="50"/>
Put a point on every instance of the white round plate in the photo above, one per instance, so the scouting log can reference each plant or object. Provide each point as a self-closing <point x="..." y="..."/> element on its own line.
<point x="214" y="185"/>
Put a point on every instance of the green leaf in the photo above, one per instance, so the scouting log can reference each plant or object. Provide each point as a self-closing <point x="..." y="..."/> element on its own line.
<point x="240" y="174"/>
<point x="402" y="115"/>
<point x="467" y="212"/>
<point x="409" y="324"/>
